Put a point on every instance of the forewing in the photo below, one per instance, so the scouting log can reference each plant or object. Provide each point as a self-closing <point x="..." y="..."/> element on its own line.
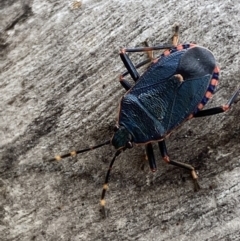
<point x="170" y="101"/>
<point x="188" y="95"/>
<point x="160" y="101"/>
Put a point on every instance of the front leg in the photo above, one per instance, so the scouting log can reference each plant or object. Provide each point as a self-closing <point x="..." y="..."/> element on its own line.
<point x="131" y="69"/>
<point x="125" y="84"/>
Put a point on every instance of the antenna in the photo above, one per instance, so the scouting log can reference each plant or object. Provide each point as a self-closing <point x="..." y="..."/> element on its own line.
<point x="74" y="153"/>
<point x="105" y="185"/>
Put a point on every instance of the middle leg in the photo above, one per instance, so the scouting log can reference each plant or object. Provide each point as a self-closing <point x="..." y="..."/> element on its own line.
<point x="150" y="157"/>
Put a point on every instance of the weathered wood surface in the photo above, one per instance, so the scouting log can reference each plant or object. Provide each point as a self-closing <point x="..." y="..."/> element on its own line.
<point x="59" y="90"/>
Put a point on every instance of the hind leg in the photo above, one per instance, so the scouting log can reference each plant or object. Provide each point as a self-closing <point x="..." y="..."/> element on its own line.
<point x="163" y="150"/>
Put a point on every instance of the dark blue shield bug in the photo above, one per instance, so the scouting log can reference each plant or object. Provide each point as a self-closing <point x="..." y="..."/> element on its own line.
<point x="175" y="88"/>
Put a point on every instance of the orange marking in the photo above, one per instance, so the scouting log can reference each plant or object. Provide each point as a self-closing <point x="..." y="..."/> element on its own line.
<point x="194" y="175"/>
<point x="179" y="47"/>
<point x="122" y="51"/>
<point x="200" y="106"/>
<point x="225" y="107"/>
<point x="73" y="153"/>
<point x="190" y="117"/>
<point x="192" y="45"/>
<point x="166" y="159"/>
<point x="216" y="69"/>
<point x="214" y="82"/>
<point x="58" y="158"/>
<point x="102" y="202"/>
<point x="105" y="187"/>
<point x="208" y="94"/>
<point x="166" y="52"/>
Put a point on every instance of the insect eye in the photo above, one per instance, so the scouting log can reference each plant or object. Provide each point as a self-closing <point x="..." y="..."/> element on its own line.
<point x="115" y="128"/>
<point x="129" y="145"/>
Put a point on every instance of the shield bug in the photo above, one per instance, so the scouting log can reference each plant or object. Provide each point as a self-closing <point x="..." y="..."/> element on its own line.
<point x="174" y="88"/>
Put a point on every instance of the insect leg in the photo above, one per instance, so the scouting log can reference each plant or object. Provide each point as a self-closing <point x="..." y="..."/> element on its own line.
<point x="129" y="65"/>
<point x="131" y="69"/>
<point x="219" y="109"/>
<point x="149" y="53"/>
<point x="175" y="36"/>
<point x="163" y="150"/>
<point x="147" y="49"/>
<point x="150" y="157"/>
<point x="126" y="85"/>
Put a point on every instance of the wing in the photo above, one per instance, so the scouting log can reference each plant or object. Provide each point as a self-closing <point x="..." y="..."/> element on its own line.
<point x="171" y="101"/>
<point x="159" y="102"/>
<point x="153" y="112"/>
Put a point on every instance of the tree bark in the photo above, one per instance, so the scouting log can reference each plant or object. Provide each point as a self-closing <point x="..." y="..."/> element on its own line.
<point x="59" y="91"/>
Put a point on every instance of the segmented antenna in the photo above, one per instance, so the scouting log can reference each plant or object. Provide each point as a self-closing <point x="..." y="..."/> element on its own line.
<point x="105" y="185"/>
<point x="74" y="153"/>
